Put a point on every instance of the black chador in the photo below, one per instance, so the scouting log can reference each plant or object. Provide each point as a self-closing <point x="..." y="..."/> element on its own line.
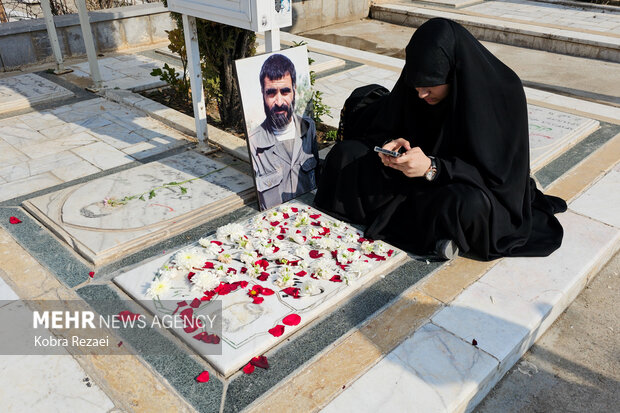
<point x="482" y="197"/>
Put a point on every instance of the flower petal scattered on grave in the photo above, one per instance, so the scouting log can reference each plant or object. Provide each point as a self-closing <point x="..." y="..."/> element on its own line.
<point x="260" y="362"/>
<point x="15" y="220"/>
<point x="277" y="331"/>
<point x="248" y="369"/>
<point x="291" y="320"/>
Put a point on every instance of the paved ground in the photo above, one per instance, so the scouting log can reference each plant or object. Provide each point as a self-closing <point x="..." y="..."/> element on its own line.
<point x="576" y="76"/>
<point x="137" y="384"/>
<point x="575" y="366"/>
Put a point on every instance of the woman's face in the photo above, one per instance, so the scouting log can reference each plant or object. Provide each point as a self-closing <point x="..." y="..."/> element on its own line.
<point x="433" y="94"/>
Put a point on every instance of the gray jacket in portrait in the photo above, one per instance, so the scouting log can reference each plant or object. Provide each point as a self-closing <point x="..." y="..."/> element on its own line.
<point x="280" y="177"/>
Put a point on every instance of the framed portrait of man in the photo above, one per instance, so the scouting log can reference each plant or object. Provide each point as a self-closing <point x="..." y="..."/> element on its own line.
<point x="281" y="135"/>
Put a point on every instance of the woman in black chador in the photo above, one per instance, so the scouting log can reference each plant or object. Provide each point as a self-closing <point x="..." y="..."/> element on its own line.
<point x="459" y="117"/>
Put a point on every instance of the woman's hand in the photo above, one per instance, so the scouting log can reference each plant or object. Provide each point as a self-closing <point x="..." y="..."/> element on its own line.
<point x="413" y="163"/>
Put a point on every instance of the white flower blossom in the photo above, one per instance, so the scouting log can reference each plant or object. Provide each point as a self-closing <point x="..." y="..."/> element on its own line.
<point x="302" y="252"/>
<point x="248" y="257"/>
<point x="254" y="271"/>
<point x="381" y="248"/>
<point x="309" y="287"/>
<point x="168" y="272"/>
<point x="261" y="233"/>
<point x="244" y="243"/>
<point x="204" y="242"/>
<point x="326" y="243"/>
<point x="298" y="238"/>
<point x="285" y="277"/>
<point x="190" y="258"/>
<point x="230" y="232"/>
<point x="302" y="219"/>
<point x="357" y="268"/>
<point x="274" y="215"/>
<point x="367" y="247"/>
<point x="286" y="210"/>
<point x="313" y="231"/>
<point x="205" y="280"/>
<point x="323" y="268"/>
<point x="225" y="258"/>
<point x="345" y="256"/>
<point x="351" y="238"/>
<point x="158" y="287"/>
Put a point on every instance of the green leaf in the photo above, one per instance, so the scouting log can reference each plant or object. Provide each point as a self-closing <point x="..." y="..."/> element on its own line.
<point x="152" y="194"/>
<point x="183" y="190"/>
<point x="142" y="198"/>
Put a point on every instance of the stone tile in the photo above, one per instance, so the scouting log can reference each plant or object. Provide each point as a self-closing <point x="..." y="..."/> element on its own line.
<point x="28" y="185"/>
<point x="117" y="136"/>
<point x="102" y="155"/>
<point x="453" y="277"/>
<point x="601" y="200"/>
<point x="18" y="133"/>
<point x="75" y="171"/>
<point x="63" y="130"/>
<point x="30" y="279"/>
<point x="6" y="292"/>
<point x="9" y="155"/>
<point x="58" y="382"/>
<point x="38" y="166"/>
<point x="573" y="183"/>
<point x="22" y="91"/>
<point x="433" y="371"/>
<point x="497" y="320"/>
<point x="152" y="147"/>
<point x="65" y="143"/>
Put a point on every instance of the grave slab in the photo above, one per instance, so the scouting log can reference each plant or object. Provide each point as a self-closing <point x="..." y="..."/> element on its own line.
<point x="98" y="223"/>
<point x="321" y="278"/>
<point x="23" y="91"/>
<point x="552" y="132"/>
<point x="132" y="72"/>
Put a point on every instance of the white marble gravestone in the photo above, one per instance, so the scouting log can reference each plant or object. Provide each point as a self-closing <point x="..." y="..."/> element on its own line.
<point x="22" y="91"/>
<point x="552" y="132"/>
<point x="86" y="217"/>
<point x="131" y="72"/>
<point x="246" y="324"/>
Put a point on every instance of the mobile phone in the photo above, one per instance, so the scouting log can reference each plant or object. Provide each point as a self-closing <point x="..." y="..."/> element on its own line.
<point x="387" y="152"/>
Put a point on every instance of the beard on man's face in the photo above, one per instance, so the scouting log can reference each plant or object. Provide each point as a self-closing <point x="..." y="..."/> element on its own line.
<point x="279" y="120"/>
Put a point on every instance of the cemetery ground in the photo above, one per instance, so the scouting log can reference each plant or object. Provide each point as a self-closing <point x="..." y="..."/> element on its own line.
<point x="415" y="336"/>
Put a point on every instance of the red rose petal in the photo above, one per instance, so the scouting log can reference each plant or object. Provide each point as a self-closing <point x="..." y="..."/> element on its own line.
<point x="291" y="320"/>
<point x="127" y="315"/>
<point x="274" y="223"/>
<point x="314" y="254"/>
<point x="262" y="263"/>
<point x="15" y="220"/>
<point x="280" y="237"/>
<point x="285" y="216"/>
<point x="243" y="271"/>
<point x="231" y="269"/>
<point x="195" y="303"/>
<point x="277" y="331"/>
<point x="215" y="339"/>
<point x="190" y="275"/>
<point x="301" y="273"/>
<point x="291" y="291"/>
<point x="248" y="369"/>
<point x="315" y="216"/>
<point x="260" y="362"/>
<point x="267" y="291"/>
<point x="258" y="300"/>
<point x="203" y="377"/>
<point x="294" y="209"/>
<point x="91" y="274"/>
<point x="336" y="279"/>
<point x="216" y="242"/>
<point x="263" y="276"/>
<point x="200" y="336"/>
<point x="120" y="343"/>
<point x="209" y="265"/>
<point x="474" y="342"/>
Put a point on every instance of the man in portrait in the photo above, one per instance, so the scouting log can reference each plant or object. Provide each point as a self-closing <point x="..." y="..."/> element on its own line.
<point x="283" y="148"/>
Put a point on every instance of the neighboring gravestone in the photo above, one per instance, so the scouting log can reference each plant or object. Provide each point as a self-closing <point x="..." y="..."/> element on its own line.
<point x="273" y="274"/>
<point x="22" y="91"/>
<point x="102" y="224"/>
<point x="552" y="132"/>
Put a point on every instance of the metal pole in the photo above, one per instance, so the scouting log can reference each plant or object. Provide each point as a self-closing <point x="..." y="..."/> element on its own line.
<point x="195" y="78"/>
<point x="87" y="35"/>
<point x="272" y="40"/>
<point x="51" y="34"/>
